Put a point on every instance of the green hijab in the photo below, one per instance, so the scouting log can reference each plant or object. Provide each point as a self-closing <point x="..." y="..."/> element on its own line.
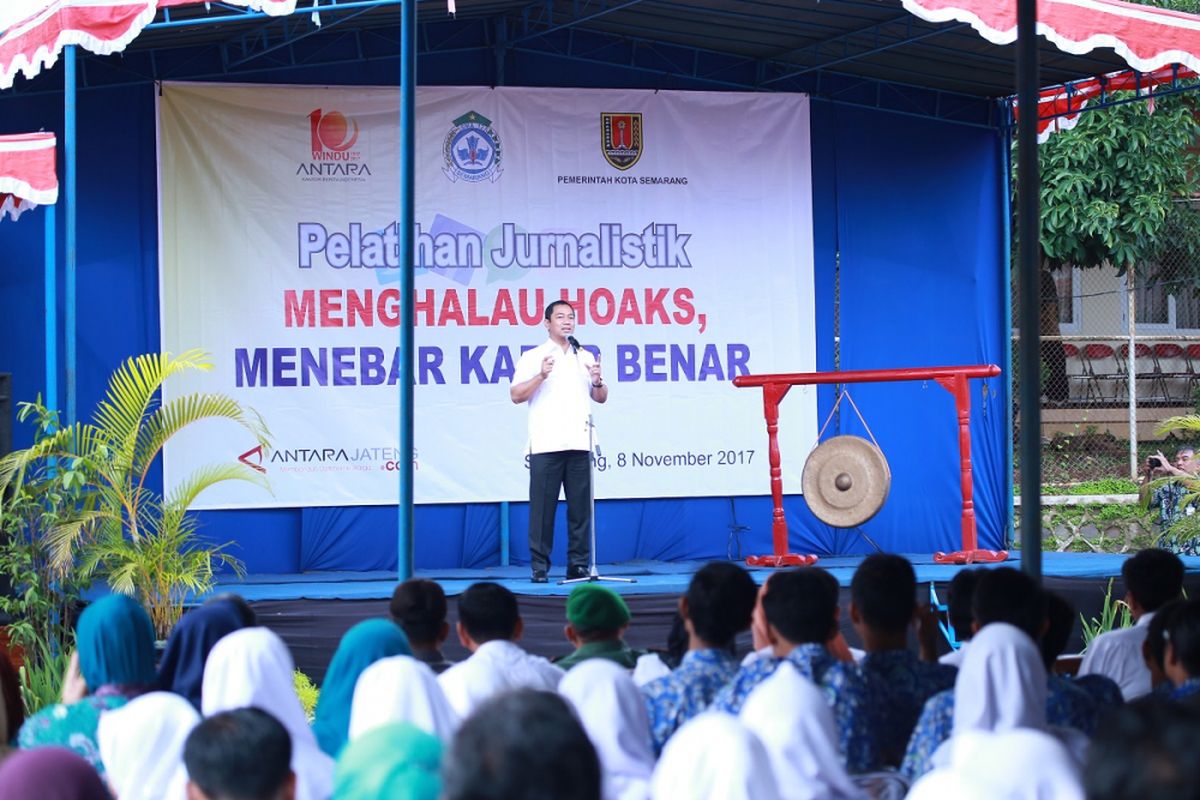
<point x="362" y="646"/>
<point x="393" y="762"/>
<point x="115" y="639"/>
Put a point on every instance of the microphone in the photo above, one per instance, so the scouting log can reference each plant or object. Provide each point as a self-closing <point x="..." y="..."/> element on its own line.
<point x="571" y="340"/>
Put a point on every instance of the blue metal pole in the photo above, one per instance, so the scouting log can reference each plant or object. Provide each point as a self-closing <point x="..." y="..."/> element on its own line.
<point x="69" y="156"/>
<point x="1005" y="154"/>
<point x="50" y="262"/>
<point x="408" y="110"/>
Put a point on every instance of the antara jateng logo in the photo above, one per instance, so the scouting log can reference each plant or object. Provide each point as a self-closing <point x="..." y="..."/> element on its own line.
<point x="332" y="139"/>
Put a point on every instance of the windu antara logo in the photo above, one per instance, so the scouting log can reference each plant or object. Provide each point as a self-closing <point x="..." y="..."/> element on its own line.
<point x="333" y="138"/>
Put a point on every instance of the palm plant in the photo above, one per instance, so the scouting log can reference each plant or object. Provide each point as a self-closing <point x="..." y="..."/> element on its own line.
<point x="141" y="541"/>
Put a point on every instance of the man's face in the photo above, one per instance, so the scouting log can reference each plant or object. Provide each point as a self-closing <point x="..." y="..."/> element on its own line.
<point x="562" y="322"/>
<point x="1185" y="460"/>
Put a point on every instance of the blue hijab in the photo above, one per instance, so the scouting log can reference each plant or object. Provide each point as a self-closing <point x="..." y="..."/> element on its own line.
<point x="115" y="639"/>
<point x="182" y="667"/>
<point x="362" y="646"/>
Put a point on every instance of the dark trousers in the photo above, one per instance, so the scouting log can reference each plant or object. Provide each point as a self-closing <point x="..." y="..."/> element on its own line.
<point x="547" y="472"/>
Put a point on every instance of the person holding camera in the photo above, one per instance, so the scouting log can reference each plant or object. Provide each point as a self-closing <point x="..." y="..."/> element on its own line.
<point x="1168" y="498"/>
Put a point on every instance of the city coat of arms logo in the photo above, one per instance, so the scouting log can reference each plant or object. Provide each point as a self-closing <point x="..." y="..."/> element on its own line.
<point x="472" y="150"/>
<point x="621" y="139"/>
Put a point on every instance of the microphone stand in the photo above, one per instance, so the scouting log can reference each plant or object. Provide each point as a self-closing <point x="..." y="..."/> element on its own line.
<point x="593" y="574"/>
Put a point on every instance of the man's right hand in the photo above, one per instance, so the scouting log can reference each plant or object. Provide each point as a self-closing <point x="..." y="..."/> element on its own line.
<point x="547" y="366"/>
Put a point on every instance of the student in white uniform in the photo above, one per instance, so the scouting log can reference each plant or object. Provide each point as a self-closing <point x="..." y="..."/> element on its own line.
<point x="1152" y="579"/>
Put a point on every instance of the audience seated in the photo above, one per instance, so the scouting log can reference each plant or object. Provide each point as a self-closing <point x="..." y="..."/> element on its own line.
<point x="596" y="620"/>
<point x="1147" y="749"/>
<point x="252" y="667"/>
<point x="363" y="645"/>
<point x="790" y="716"/>
<point x="141" y="745"/>
<point x="1153" y="578"/>
<point x="49" y="773"/>
<point x="1154" y="649"/>
<point x="113" y="661"/>
<point x="1001" y="685"/>
<point x="182" y="667"/>
<point x="1181" y="657"/>
<point x="1013" y="764"/>
<point x="799" y="612"/>
<point x="1007" y="596"/>
<point x="657" y="663"/>
<point x="243" y="608"/>
<point x="614" y="716"/>
<point x="419" y="607"/>
<point x="242" y="754"/>
<point x="798" y="720"/>
<point x="714" y="757"/>
<point x="401" y="689"/>
<point x="522" y="745"/>
<point x="959" y="595"/>
<point x="715" y="609"/>
<point x="883" y="606"/>
<point x="1069" y="703"/>
<point x="489" y="625"/>
<point x="393" y="762"/>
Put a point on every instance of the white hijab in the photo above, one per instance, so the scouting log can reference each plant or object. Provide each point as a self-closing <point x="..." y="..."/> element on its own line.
<point x="401" y="689"/>
<point x="252" y="667"/>
<point x="1001" y="684"/>
<point x="141" y="745"/>
<point x="614" y="715"/>
<point x="793" y="720"/>
<point x="714" y="757"/>
<point x="1016" y="764"/>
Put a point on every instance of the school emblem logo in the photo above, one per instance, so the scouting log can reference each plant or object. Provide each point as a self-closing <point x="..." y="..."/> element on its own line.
<point x="472" y="150"/>
<point x="621" y="139"/>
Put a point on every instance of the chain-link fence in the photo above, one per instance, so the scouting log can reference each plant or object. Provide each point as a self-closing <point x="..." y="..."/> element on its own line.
<point x="1120" y="353"/>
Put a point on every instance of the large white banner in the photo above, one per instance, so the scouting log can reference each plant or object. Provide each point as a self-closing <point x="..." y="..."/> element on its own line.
<point x="678" y="224"/>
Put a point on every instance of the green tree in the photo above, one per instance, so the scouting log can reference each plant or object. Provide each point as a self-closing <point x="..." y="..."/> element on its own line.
<point x="1114" y="188"/>
<point x="81" y="493"/>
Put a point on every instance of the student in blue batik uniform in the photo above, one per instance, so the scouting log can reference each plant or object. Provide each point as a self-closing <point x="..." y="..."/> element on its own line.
<point x="1006" y="595"/>
<point x="883" y="605"/>
<point x="799" y="612"/>
<point x="715" y="609"/>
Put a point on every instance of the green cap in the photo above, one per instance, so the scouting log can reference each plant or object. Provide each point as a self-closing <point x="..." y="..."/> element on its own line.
<point x="596" y="608"/>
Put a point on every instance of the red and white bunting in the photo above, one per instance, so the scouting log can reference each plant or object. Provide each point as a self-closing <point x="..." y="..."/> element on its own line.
<point x="34" y="32"/>
<point x="27" y="173"/>
<point x="1146" y="38"/>
<point x="1059" y="107"/>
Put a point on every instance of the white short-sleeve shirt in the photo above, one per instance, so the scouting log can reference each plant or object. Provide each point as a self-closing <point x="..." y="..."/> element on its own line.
<point x="560" y="406"/>
<point x="1117" y="654"/>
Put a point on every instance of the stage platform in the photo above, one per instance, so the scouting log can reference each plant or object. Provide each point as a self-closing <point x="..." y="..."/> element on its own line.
<point x="311" y="611"/>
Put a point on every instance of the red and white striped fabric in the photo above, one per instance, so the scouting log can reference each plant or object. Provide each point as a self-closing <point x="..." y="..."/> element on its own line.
<point x="1059" y="108"/>
<point x="34" y="32"/>
<point x="1147" y="38"/>
<point x="27" y="173"/>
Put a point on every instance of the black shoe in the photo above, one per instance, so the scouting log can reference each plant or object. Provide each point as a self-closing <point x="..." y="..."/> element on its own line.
<point x="539" y="576"/>
<point x="576" y="572"/>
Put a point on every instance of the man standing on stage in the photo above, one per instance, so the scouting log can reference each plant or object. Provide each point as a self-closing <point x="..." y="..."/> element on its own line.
<point x="557" y="379"/>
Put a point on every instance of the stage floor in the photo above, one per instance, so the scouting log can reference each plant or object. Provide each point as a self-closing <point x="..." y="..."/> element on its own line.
<point x="653" y="577"/>
<point x="311" y="611"/>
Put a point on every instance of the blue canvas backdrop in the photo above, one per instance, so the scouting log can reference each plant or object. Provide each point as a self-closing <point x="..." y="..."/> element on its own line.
<point x="908" y="227"/>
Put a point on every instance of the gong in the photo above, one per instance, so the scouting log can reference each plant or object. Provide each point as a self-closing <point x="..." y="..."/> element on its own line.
<point x="846" y="481"/>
